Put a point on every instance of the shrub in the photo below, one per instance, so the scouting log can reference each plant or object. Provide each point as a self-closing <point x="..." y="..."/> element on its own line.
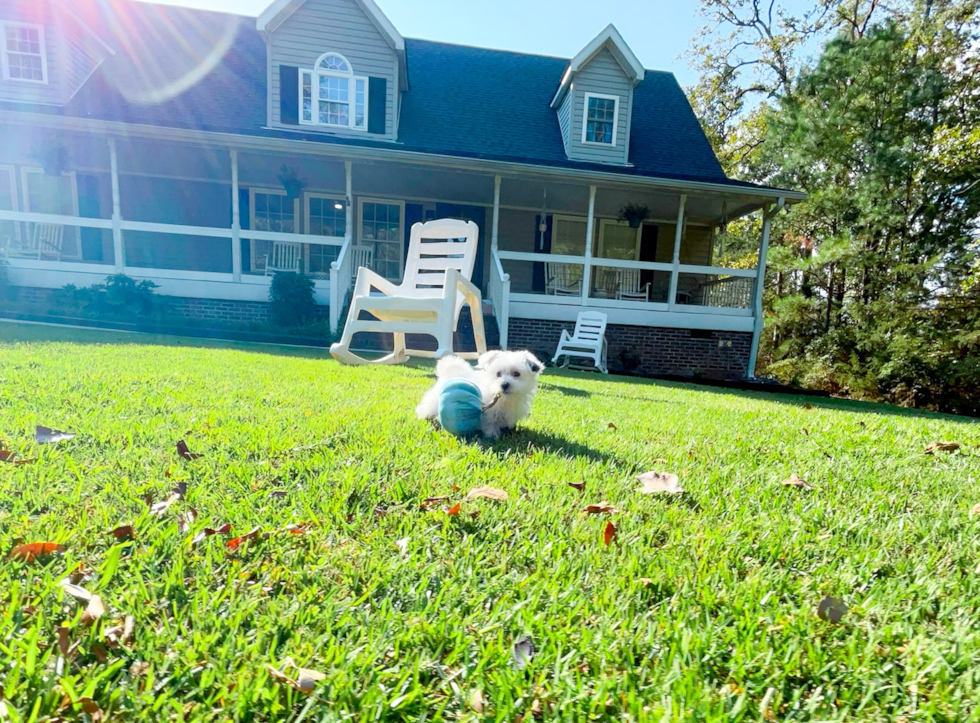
<point x="292" y="299"/>
<point x="119" y="296"/>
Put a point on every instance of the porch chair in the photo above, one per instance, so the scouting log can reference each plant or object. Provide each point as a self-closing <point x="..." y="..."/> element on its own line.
<point x="588" y="341"/>
<point x="629" y="288"/>
<point x="285" y="256"/>
<point x="605" y="282"/>
<point x="559" y="280"/>
<point x="433" y="292"/>
<point x="361" y="256"/>
<point x="46" y="240"/>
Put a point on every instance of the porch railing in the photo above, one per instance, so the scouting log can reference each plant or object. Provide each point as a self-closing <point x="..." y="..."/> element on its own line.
<point x="499" y="288"/>
<point x="341" y="272"/>
<point x="38" y="240"/>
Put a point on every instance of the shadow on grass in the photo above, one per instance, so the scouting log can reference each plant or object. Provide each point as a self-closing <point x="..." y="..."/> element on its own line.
<point x="524" y="440"/>
<point x="567" y="391"/>
<point x="802" y="400"/>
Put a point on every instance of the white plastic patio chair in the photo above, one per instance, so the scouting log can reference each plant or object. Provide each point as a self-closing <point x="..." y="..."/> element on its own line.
<point x="436" y="287"/>
<point x="285" y="256"/>
<point x="588" y="341"/>
<point x="361" y="256"/>
<point x="560" y="281"/>
<point x="629" y="287"/>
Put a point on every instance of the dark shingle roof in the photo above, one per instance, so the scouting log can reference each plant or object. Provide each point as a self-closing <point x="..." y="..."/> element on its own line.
<point x="463" y="101"/>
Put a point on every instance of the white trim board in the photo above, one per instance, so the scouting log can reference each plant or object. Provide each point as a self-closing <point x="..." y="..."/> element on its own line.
<point x="585" y="119"/>
<point x="5" y="62"/>
<point x="631" y="317"/>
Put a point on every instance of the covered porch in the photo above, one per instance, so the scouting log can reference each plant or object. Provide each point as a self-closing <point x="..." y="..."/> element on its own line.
<point x="212" y="220"/>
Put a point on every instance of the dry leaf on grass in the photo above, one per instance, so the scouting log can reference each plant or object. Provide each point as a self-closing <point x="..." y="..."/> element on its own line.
<point x="452" y="511"/>
<point x="123" y="532"/>
<point x="807" y="405"/>
<point x="94" y="611"/>
<point x="79" y="593"/>
<point x="942" y="447"/>
<point x="580" y="486"/>
<point x="180" y="489"/>
<point x="33" y="550"/>
<point x="975" y="510"/>
<point x="524" y="652"/>
<point x="139" y="668"/>
<point x="796" y="481"/>
<point x="100" y="653"/>
<point x="46" y="435"/>
<point x="92" y="708"/>
<point x="7" y="456"/>
<point x="250" y="535"/>
<point x="186" y="519"/>
<point x="609" y="534"/>
<point x="656" y="482"/>
<point x="185" y="453"/>
<point x="121" y="634"/>
<point x="305" y="682"/>
<point x="430" y="502"/>
<point x="160" y="508"/>
<point x="64" y="640"/>
<point x="476" y="700"/>
<point x="225" y="529"/>
<point x="831" y="609"/>
<point x="612" y="426"/>
<point x="278" y="494"/>
<point x="599" y="508"/>
<point x="489" y="493"/>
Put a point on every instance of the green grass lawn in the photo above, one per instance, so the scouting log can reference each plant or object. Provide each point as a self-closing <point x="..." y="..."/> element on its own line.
<point x="703" y="608"/>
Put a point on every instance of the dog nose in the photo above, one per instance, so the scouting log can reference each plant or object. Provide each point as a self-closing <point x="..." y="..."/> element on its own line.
<point x="505" y="386"/>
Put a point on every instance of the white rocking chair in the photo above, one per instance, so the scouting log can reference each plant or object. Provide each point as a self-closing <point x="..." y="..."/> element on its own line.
<point x="361" y="256"/>
<point x="285" y="256"/>
<point x="560" y="280"/>
<point x="47" y="240"/>
<point x="587" y="342"/>
<point x="436" y="287"/>
<point x="629" y="287"/>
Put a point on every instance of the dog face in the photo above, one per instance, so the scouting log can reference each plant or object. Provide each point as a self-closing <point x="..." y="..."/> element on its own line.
<point x="511" y="372"/>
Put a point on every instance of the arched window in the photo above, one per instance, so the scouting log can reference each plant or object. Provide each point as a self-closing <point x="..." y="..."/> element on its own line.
<point x="332" y="95"/>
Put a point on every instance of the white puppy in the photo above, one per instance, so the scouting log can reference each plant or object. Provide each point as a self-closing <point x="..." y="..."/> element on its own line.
<point x="507" y="380"/>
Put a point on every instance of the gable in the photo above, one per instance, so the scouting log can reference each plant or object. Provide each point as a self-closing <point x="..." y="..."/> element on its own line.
<point x="337" y="26"/>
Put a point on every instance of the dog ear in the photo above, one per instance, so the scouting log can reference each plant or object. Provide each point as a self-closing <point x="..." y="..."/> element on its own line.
<point x="486" y="359"/>
<point x="533" y="363"/>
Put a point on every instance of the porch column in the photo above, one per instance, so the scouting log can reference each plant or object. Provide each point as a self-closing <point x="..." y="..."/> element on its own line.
<point x="496" y="211"/>
<point x="760" y="283"/>
<point x="349" y="218"/>
<point x="118" y="250"/>
<point x="589" y="230"/>
<point x="675" y="272"/>
<point x="236" y="221"/>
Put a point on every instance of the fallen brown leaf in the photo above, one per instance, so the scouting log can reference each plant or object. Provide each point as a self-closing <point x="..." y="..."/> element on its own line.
<point x="646" y="581"/>
<point x="612" y="426"/>
<point x="306" y="679"/>
<point x="430" y="502"/>
<point x="64" y="640"/>
<point x="46" y="435"/>
<point x="94" y="611"/>
<point x="100" y="653"/>
<point x="580" y="486"/>
<point x="490" y="493"/>
<point x="473" y="514"/>
<point x="807" y="405"/>
<point x="831" y="609"/>
<point x="92" y="708"/>
<point x="79" y="593"/>
<point x="524" y="652"/>
<point x="160" y="508"/>
<point x="139" y="668"/>
<point x="476" y="700"/>
<point x="975" y="510"/>
<point x="121" y="634"/>
<point x="180" y="489"/>
<point x="655" y="482"/>
<point x="278" y="494"/>
<point x="795" y="481"/>
<point x="609" y="534"/>
<point x="7" y="456"/>
<point x="250" y="535"/>
<point x="297" y="529"/>
<point x="453" y="511"/>
<point x="225" y="529"/>
<point x="599" y="508"/>
<point x="124" y="532"/>
<point x="942" y="447"/>
<point x="33" y="550"/>
<point x="185" y="453"/>
<point x="186" y="520"/>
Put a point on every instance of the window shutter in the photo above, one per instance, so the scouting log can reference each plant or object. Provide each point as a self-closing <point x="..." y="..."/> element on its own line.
<point x="377" y="104"/>
<point x="289" y="95"/>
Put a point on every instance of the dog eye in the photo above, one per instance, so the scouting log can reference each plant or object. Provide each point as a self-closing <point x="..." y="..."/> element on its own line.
<point x="500" y="374"/>
<point x="516" y="374"/>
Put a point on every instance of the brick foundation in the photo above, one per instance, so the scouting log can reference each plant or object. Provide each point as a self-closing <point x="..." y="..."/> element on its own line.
<point x="657" y="350"/>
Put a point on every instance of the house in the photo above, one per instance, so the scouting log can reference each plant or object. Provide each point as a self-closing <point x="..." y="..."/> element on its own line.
<point x="202" y="150"/>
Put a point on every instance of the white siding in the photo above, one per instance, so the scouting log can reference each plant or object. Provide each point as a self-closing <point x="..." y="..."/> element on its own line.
<point x="82" y="55"/>
<point x="605" y="76"/>
<point x="333" y="25"/>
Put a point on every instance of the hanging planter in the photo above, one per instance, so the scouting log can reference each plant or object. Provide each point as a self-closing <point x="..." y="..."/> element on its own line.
<point x="634" y="214"/>
<point x="53" y="159"/>
<point x="292" y="185"/>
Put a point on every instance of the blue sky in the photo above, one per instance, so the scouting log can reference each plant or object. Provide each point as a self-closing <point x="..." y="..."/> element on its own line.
<point x="658" y="31"/>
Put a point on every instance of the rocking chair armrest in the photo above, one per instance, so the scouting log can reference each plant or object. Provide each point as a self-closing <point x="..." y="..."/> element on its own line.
<point x="455" y="280"/>
<point x="565" y="336"/>
<point x="368" y="278"/>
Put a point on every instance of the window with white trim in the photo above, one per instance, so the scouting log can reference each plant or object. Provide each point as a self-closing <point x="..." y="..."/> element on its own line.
<point x="9" y="230"/>
<point x="600" y="118"/>
<point x="269" y="210"/>
<point x="23" y="56"/>
<point x="56" y="195"/>
<point x="325" y="216"/>
<point x="331" y="95"/>
<point x="381" y="227"/>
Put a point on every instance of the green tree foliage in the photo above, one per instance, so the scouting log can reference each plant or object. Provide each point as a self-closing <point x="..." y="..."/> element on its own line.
<point x="874" y="282"/>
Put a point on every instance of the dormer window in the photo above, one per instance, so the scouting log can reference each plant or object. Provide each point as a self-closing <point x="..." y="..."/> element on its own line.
<point x="332" y="95"/>
<point x="601" y="119"/>
<point x="23" y="55"/>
